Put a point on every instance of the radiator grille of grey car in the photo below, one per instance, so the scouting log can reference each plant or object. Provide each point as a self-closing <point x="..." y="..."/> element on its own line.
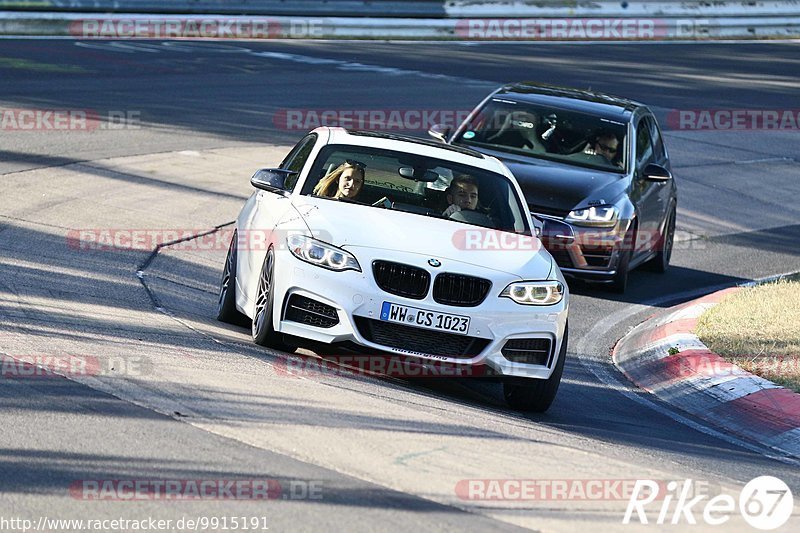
<point x="419" y="340"/>
<point x="597" y="257"/>
<point x="529" y="351"/>
<point x="460" y="290"/>
<point x="403" y="280"/>
<point x="562" y="258"/>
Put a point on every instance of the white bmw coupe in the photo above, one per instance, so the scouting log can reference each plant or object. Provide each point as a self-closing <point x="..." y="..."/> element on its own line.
<point x="394" y="245"/>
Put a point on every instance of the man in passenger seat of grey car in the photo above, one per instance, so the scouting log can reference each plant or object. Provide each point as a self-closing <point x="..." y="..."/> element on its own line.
<point x="461" y="194"/>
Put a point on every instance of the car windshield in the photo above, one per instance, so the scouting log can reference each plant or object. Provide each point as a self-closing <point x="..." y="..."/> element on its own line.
<point x="565" y="136"/>
<point x="419" y="185"/>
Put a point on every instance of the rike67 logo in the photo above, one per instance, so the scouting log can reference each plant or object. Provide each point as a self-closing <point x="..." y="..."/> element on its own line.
<point x="765" y="503"/>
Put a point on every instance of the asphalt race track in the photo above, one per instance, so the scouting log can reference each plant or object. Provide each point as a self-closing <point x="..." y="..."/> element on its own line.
<point x="385" y="454"/>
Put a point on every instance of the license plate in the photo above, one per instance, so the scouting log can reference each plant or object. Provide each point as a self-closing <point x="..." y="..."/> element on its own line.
<point x="412" y="316"/>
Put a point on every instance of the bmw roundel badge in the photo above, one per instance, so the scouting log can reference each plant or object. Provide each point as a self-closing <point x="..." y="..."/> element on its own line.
<point x="434" y="263"/>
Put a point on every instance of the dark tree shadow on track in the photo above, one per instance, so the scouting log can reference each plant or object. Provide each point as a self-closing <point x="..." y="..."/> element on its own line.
<point x="661" y="290"/>
<point x="784" y="240"/>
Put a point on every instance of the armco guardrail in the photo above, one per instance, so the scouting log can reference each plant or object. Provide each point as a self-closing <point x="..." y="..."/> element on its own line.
<point x="423" y="19"/>
<point x="619" y="8"/>
<point x="424" y="8"/>
<point x="328" y="8"/>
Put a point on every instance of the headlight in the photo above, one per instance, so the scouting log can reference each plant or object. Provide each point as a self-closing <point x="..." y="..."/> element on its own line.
<point x="321" y="253"/>
<point x="604" y="216"/>
<point x="534" y="292"/>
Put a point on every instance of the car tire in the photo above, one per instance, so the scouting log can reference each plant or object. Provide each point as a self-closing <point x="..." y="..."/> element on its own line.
<point x="660" y="263"/>
<point x="263" y="331"/>
<point x="226" y="304"/>
<point x="620" y="280"/>
<point x="538" y="395"/>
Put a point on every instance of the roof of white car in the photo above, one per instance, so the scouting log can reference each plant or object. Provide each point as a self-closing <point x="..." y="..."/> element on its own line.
<point x="424" y="147"/>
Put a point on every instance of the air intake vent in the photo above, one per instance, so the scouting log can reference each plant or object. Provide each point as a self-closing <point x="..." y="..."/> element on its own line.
<point x="311" y="312"/>
<point x="529" y="351"/>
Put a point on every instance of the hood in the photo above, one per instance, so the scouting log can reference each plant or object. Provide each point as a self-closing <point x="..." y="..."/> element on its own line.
<point x="353" y="226"/>
<point x="558" y="188"/>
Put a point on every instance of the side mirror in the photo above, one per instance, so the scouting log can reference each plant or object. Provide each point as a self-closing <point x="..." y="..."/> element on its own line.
<point x="555" y="234"/>
<point x="556" y="229"/>
<point x="271" y="179"/>
<point x="653" y="172"/>
<point x="439" y="132"/>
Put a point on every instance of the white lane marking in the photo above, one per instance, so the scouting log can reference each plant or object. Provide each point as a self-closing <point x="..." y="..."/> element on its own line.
<point x="363" y="67"/>
<point x="193" y="46"/>
<point x="136" y="47"/>
<point x="296" y="58"/>
<point x="105" y="47"/>
<point x="693" y="311"/>
<point x="350" y="66"/>
<point x="765" y="160"/>
<point x="131" y="46"/>
<point x="769" y="279"/>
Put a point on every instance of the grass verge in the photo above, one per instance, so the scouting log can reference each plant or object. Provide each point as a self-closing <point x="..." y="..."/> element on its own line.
<point x="758" y="329"/>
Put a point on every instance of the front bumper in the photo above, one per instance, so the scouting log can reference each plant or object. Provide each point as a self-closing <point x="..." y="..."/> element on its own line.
<point x="591" y="254"/>
<point x="357" y="302"/>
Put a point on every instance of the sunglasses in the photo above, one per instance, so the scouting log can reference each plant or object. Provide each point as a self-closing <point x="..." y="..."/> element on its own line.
<point x="606" y="148"/>
<point x="354" y="163"/>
